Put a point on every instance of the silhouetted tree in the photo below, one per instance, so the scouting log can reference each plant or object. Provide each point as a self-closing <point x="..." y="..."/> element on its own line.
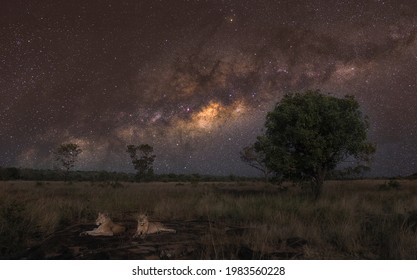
<point x="309" y="134"/>
<point x="9" y="173"/>
<point x="256" y="159"/>
<point x="142" y="160"/>
<point x="66" y="155"/>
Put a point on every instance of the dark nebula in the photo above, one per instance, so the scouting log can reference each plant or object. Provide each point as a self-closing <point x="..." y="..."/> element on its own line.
<point x="195" y="79"/>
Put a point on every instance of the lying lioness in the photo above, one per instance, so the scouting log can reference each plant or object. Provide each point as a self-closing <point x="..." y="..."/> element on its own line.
<point x="106" y="227"/>
<point x="145" y="227"/>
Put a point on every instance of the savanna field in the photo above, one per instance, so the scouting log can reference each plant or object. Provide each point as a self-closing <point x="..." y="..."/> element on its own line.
<point x="357" y="219"/>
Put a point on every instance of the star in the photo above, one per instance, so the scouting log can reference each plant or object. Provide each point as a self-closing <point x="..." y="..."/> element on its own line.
<point x="199" y="84"/>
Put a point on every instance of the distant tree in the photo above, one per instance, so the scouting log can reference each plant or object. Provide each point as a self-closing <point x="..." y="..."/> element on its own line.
<point x="9" y="173"/>
<point x="66" y="155"/>
<point x="142" y="160"/>
<point x="255" y="157"/>
<point x="309" y="134"/>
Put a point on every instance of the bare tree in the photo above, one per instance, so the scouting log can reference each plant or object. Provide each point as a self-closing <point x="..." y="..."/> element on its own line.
<point x="256" y="160"/>
<point x="66" y="154"/>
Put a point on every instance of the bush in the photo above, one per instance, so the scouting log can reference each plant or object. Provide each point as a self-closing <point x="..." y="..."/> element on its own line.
<point x="390" y="185"/>
<point x="15" y="229"/>
<point x="10" y="173"/>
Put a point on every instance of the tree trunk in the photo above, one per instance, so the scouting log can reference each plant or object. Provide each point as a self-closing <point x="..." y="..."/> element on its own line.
<point x="317" y="185"/>
<point x="317" y="188"/>
<point x="66" y="174"/>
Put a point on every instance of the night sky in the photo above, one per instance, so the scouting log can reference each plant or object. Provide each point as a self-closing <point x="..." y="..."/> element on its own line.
<point x="195" y="79"/>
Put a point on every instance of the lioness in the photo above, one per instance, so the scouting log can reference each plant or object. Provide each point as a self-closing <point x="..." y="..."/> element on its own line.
<point x="146" y="227"/>
<point x="106" y="227"/>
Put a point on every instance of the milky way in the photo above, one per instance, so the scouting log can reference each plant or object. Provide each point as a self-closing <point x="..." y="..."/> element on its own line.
<point x="195" y="79"/>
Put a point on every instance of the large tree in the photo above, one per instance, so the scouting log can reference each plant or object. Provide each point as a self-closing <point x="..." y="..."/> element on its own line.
<point x="142" y="160"/>
<point x="309" y="134"/>
<point x="66" y="155"/>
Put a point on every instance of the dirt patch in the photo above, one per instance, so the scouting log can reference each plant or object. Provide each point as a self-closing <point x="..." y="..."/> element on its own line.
<point x="190" y="242"/>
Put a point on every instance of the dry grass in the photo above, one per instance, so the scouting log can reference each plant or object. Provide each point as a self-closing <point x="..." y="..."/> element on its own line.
<point x="352" y="220"/>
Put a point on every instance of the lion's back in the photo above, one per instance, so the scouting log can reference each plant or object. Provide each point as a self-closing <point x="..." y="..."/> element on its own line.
<point x="155" y="227"/>
<point x="117" y="229"/>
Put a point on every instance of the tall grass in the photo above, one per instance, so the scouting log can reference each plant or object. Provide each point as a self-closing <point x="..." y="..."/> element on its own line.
<point x="352" y="220"/>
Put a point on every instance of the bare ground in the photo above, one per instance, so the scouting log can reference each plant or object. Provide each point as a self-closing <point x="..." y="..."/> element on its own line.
<point x="192" y="241"/>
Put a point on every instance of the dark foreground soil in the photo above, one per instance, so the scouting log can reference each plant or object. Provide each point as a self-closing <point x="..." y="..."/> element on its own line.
<point x="193" y="240"/>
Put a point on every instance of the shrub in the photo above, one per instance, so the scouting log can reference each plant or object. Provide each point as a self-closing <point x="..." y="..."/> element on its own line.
<point x="15" y="229"/>
<point x="390" y="185"/>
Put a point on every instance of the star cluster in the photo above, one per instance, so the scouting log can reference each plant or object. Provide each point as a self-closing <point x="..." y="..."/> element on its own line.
<point x="195" y="79"/>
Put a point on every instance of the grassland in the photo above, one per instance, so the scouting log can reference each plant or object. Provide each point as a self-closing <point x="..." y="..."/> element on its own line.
<point x="359" y="219"/>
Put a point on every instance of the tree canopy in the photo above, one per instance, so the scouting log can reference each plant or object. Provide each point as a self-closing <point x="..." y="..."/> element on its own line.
<point x="309" y="134"/>
<point x="142" y="160"/>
